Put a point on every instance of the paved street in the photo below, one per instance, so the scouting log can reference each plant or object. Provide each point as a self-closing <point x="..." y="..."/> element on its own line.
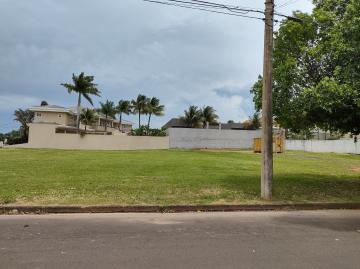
<point x="313" y="239"/>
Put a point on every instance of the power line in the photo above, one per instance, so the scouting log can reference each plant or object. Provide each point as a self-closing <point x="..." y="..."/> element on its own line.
<point x="235" y="6"/>
<point x="229" y="7"/>
<point x="215" y="7"/>
<point x="207" y="4"/>
<point x="197" y="7"/>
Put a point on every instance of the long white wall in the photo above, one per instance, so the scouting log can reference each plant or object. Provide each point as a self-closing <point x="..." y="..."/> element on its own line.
<point x="338" y="146"/>
<point x="212" y="138"/>
<point x="44" y="136"/>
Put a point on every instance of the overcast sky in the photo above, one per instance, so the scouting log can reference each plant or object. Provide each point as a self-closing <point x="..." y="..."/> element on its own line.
<point x="182" y="56"/>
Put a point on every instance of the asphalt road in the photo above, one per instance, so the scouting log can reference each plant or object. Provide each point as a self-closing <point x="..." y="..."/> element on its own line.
<point x="312" y="239"/>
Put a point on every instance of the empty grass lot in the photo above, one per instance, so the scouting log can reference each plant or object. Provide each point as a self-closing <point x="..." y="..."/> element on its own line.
<point x="165" y="177"/>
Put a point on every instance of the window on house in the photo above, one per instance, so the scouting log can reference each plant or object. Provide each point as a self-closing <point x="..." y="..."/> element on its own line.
<point x="59" y="115"/>
<point x="38" y="114"/>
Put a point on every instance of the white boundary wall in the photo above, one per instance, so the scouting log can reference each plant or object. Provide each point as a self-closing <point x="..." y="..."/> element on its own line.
<point x="44" y="136"/>
<point x="212" y="138"/>
<point x="338" y="146"/>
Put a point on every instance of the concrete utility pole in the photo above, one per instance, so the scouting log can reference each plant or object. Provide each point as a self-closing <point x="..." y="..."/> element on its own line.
<point x="267" y="122"/>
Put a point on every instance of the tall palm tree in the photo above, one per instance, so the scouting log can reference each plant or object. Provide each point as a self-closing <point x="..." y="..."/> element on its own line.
<point x="139" y="106"/>
<point x="88" y="117"/>
<point x="153" y="107"/>
<point x="123" y="107"/>
<point x="82" y="85"/>
<point x="208" y="115"/>
<point x="193" y="117"/>
<point x="24" y="117"/>
<point x="109" y="110"/>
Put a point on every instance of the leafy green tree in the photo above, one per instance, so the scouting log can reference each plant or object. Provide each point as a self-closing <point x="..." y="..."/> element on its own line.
<point x="88" y="117"/>
<point x="109" y="110"/>
<point x="317" y="71"/>
<point x="123" y="107"/>
<point x="333" y="106"/>
<point x="290" y="45"/>
<point x="193" y="117"/>
<point x="24" y="117"/>
<point x="208" y="115"/>
<point x="139" y="106"/>
<point x="153" y="107"/>
<point x="82" y="85"/>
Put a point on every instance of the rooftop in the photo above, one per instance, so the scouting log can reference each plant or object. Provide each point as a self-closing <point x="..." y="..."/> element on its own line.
<point x="72" y="111"/>
<point x="51" y="108"/>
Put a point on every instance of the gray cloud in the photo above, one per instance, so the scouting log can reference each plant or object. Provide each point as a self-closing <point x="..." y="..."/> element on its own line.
<point x="182" y="56"/>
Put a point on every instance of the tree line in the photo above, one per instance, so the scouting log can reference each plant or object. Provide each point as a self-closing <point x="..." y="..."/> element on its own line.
<point x="84" y="86"/>
<point x="316" y="70"/>
<point x="142" y="105"/>
<point x="24" y="117"/>
<point x="195" y="117"/>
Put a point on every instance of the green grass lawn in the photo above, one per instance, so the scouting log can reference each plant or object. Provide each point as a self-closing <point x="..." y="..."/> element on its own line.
<point x="171" y="177"/>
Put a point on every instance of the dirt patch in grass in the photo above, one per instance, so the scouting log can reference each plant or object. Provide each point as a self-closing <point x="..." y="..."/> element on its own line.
<point x="355" y="169"/>
<point x="210" y="191"/>
<point x="225" y="150"/>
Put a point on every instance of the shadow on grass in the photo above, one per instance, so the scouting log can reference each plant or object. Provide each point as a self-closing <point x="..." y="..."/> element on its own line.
<point x="300" y="187"/>
<point x="295" y="187"/>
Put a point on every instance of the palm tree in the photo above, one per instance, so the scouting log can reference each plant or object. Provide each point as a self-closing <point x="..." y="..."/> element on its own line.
<point x="123" y="107"/>
<point x="44" y="103"/>
<point x="109" y="110"/>
<point x="139" y="106"/>
<point x="153" y="107"/>
<point x="24" y="117"/>
<point x="88" y="117"/>
<point x="208" y="115"/>
<point x="82" y="85"/>
<point x="193" y="117"/>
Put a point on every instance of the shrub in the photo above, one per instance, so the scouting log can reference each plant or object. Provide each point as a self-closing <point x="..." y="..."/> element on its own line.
<point x="14" y="137"/>
<point x="144" y="131"/>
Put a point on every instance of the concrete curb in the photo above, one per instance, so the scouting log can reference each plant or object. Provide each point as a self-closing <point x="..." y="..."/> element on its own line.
<point x="171" y="208"/>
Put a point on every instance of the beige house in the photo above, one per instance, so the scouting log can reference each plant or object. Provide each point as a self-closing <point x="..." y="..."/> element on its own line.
<point x="55" y="127"/>
<point x="65" y="121"/>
